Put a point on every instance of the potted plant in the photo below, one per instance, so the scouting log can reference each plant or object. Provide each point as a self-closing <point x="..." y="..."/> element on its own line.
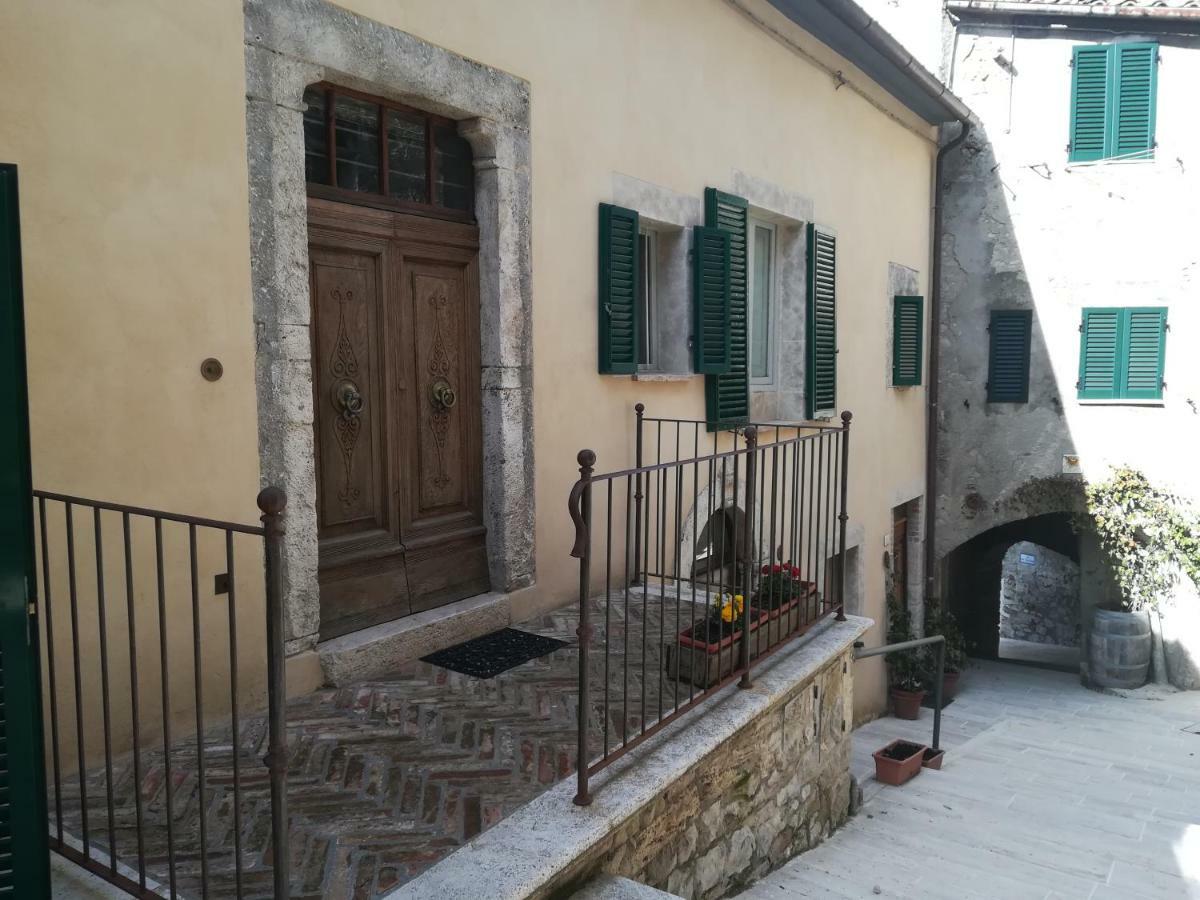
<point x="906" y="669"/>
<point x="932" y="759"/>
<point x="781" y="589"/>
<point x="898" y="762"/>
<point x="940" y="620"/>
<point x="1150" y="538"/>
<point x="711" y="648"/>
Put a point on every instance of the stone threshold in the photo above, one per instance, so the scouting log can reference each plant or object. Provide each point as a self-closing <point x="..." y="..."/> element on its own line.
<point x="534" y="850"/>
<point x="382" y="649"/>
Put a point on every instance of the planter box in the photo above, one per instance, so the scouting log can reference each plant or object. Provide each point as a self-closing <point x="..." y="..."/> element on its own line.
<point x="897" y="771"/>
<point x="932" y="759"/>
<point x="704" y="664"/>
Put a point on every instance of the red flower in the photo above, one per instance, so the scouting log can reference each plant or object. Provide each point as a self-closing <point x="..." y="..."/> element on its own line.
<point x="776" y="569"/>
<point x="795" y="570"/>
<point x="766" y="570"/>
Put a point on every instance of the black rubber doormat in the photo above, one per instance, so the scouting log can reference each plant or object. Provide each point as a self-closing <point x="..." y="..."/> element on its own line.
<point x="488" y="656"/>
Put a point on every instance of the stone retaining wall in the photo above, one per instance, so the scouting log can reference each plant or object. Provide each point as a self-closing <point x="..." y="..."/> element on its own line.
<point x="776" y="788"/>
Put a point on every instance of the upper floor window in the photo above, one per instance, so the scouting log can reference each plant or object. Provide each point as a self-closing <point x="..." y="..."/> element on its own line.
<point x="1113" y="91"/>
<point x="1121" y="353"/>
<point x="402" y="158"/>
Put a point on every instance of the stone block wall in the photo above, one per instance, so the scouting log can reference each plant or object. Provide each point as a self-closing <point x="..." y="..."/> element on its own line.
<point x="776" y="788"/>
<point x="1039" y="596"/>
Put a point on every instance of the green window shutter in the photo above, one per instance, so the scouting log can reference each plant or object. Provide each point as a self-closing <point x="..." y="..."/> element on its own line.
<point x="1089" y="103"/>
<point x="1100" y="354"/>
<point x="1144" y="347"/>
<point x="24" y="855"/>
<point x="727" y="395"/>
<point x="1133" y="100"/>
<point x="710" y="307"/>
<point x="1008" y="355"/>
<point x="618" y="290"/>
<point x="821" y="351"/>
<point x="907" y="340"/>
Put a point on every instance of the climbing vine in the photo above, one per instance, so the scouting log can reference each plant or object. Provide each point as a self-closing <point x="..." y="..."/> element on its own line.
<point x="1148" y="534"/>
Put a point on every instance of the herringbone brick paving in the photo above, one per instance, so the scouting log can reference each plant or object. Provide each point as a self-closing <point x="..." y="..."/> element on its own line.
<point x="388" y="776"/>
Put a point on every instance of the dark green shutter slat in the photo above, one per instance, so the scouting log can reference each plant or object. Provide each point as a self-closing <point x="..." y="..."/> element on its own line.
<point x="727" y="395"/>
<point x="619" y="276"/>
<point x="1089" y="103"/>
<point x="907" y="340"/>
<point x="821" y="352"/>
<point x="1145" y="346"/>
<point x="1133" y="99"/>
<point x="1008" y="355"/>
<point x="710" y="306"/>
<point x="1099" y="354"/>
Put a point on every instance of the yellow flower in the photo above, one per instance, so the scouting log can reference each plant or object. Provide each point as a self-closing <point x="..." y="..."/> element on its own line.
<point x="740" y="601"/>
<point x="727" y="612"/>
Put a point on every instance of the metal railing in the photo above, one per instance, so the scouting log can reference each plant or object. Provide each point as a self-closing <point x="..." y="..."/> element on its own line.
<point x="161" y="799"/>
<point x="680" y="541"/>
<point x="939" y="670"/>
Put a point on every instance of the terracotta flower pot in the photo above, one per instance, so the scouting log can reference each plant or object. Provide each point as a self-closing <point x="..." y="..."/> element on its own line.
<point x="907" y="704"/>
<point x="950" y="685"/>
<point x="932" y="759"/>
<point x="898" y="762"/>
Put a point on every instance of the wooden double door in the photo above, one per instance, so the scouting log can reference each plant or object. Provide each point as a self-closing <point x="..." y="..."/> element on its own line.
<point x="396" y="396"/>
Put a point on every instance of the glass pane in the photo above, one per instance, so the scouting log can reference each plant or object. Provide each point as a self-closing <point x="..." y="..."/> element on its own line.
<point x="316" y="137"/>
<point x="645" y="299"/>
<point x="760" y="305"/>
<point x="408" y="175"/>
<point x="455" y="187"/>
<point x="357" y="135"/>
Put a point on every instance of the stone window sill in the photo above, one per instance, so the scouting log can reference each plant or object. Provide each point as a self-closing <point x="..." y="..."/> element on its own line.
<point x="664" y="376"/>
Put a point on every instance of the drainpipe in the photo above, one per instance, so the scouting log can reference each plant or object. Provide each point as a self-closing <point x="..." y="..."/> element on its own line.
<point x="932" y="392"/>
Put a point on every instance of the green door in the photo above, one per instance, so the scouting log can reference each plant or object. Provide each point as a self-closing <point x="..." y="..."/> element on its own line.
<point x="24" y="855"/>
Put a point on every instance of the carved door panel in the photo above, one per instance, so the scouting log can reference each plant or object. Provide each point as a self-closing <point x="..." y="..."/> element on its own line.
<point x="362" y="566"/>
<point x="441" y="514"/>
<point x="396" y="394"/>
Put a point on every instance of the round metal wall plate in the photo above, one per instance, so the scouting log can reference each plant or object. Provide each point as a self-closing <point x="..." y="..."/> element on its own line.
<point x="212" y="369"/>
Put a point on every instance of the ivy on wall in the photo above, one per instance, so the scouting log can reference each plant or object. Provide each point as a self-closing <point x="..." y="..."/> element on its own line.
<point x="1148" y="534"/>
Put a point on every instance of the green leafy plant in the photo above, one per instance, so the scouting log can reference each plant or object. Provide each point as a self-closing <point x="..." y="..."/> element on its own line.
<point x="722" y="620"/>
<point x="939" y="620"/>
<point x="1148" y="534"/>
<point x="906" y="668"/>
<point x="779" y="584"/>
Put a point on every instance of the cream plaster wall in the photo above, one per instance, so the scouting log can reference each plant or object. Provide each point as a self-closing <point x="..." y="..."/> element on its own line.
<point x="130" y="134"/>
<point x="127" y="122"/>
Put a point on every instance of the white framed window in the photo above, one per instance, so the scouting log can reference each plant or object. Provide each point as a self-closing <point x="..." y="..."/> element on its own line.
<point x="647" y="300"/>
<point x="761" y="293"/>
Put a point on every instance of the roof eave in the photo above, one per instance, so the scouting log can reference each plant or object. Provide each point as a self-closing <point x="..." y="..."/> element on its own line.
<point x="847" y="30"/>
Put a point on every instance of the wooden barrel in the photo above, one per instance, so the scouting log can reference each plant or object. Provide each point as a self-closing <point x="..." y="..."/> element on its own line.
<point x="1119" y="648"/>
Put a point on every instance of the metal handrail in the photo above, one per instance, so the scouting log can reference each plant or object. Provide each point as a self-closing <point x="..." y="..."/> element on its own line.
<point x="861" y="652"/>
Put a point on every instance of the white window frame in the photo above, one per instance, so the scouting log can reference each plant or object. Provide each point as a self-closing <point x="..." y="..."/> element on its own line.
<point x="650" y="275"/>
<point x="753" y="223"/>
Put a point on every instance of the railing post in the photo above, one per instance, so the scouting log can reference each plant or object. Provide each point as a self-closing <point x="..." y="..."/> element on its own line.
<point x="938" y="675"/>
<point x="640" y="410"/>
<point x="272" y="501"/>
<point x="751" y="435"/>
<point x="843" y="516"/>
<point x="580" y="507"/>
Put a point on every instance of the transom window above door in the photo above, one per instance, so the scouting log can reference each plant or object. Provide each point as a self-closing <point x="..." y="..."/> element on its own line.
<point x="372" y="151"/>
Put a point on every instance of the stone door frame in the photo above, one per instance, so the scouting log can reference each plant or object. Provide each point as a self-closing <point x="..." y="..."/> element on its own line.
<point x="289" y="45"/>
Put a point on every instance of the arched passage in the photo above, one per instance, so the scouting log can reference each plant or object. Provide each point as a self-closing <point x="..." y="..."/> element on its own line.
<point x="1015" y="590"/>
